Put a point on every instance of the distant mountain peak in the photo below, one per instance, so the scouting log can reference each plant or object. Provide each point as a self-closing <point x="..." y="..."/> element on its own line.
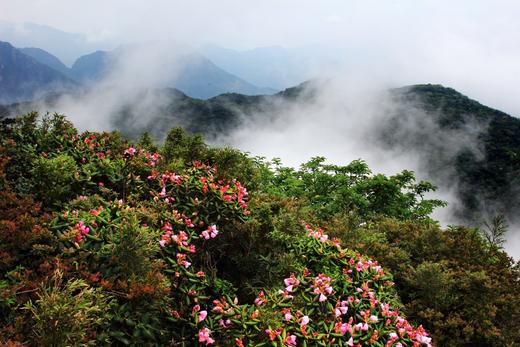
<point x="25" y="78"/>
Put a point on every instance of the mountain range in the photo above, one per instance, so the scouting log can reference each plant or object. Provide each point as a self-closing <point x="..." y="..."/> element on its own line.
<point x="24" y="78"/>
<point x="67" y="46"/>
<point x="474" y="147"/>
<point x="274" y="66"/>
<point x="28" y="73"/>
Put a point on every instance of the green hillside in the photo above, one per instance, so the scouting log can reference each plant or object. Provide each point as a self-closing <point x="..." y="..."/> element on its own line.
<point x="105" y="241"/>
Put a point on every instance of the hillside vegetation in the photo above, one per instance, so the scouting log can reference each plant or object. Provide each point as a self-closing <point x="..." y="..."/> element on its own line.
<point x="108" y="242"/>
<point x="461" y="145"/>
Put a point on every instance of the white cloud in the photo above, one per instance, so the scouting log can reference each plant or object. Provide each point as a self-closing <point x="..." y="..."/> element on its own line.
<point x="468" y="45"/>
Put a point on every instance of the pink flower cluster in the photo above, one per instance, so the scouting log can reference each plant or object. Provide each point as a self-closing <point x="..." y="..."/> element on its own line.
<point x="181" y="260"/>
<point x="240" y="194"/>
<point x="129" y="152"/>
<point x="362" y="265"/>
<point x="222" y="307"/>
<point x="201" y="315"/>
<point x="211" y="232"/>
<point x="181" y="239"/>
<point x="322" y="286"/>
<point x="261" y="299"/>
<point x="343" y="328"/>
<point x="290" y="340"/>
<point x="204" y="336"/>
<point x="89" y="141"/>
<point x="81" y="230"/>
<point x="237" y="192"/>
<point x="290" y="283"/>
<point x="341" y="308"/>
<point x="153" y="158"/>
<point x="317" y="234"/>
<point x="171" y="177"/>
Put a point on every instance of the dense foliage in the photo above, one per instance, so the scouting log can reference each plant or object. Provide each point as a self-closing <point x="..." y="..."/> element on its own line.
<point x="107" y="242"/>
<point x="486" y="168"/>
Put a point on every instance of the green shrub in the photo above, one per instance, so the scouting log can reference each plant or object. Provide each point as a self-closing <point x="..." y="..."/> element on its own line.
<point x="53" y="178"/>
<point x="67" y="313"/>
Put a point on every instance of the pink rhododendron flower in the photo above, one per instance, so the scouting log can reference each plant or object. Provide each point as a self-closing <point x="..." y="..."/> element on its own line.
<point x="317" y="234"/>
<point x="225" y="323"/>
<point x="167" y="227"/>
<point x="305" y="321"/>
<point x="290" y="340"/>
<point x="204" y="336"/>
<point x="181" y="239"/>
<point x="211" y="232"/>
<point x="202" y="315"/>
<point x="195" y="309"/>
<point x="81" y="230"/>
<point x="341" y="309"/>
<point x="342" y="328"/>
<point x="260" y="299"/>
<point x="188" y="223"/>
<point x="130" y="152"/>
<point x="181" y="260"/>
<point x="285" y="294"/>
<point x="321" y="285"/>
<point x="423" y="339"/>
<point x="287" y="316"/>
<point x="322" y="298"/>
<point x="290" y="282"/>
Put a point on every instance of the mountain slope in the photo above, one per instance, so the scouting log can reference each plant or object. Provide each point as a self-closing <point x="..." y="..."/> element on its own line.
<point x="485" y="168"/>
<point x="203" y="79"/>
<point x="274" y="66"/>
<point x="91" y="67"/>
<point x="46" y="58"/>
<point x="66" y="46"/>
<point x="24" y="78"/>
<point x="140" y="67"/>
<point x="193" y="74"/>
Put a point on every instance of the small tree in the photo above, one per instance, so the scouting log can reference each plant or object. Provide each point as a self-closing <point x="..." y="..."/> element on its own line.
<point x="495" y="230"/>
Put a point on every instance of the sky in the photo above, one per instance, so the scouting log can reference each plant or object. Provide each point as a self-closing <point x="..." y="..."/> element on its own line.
<point x="473" y="46"/>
